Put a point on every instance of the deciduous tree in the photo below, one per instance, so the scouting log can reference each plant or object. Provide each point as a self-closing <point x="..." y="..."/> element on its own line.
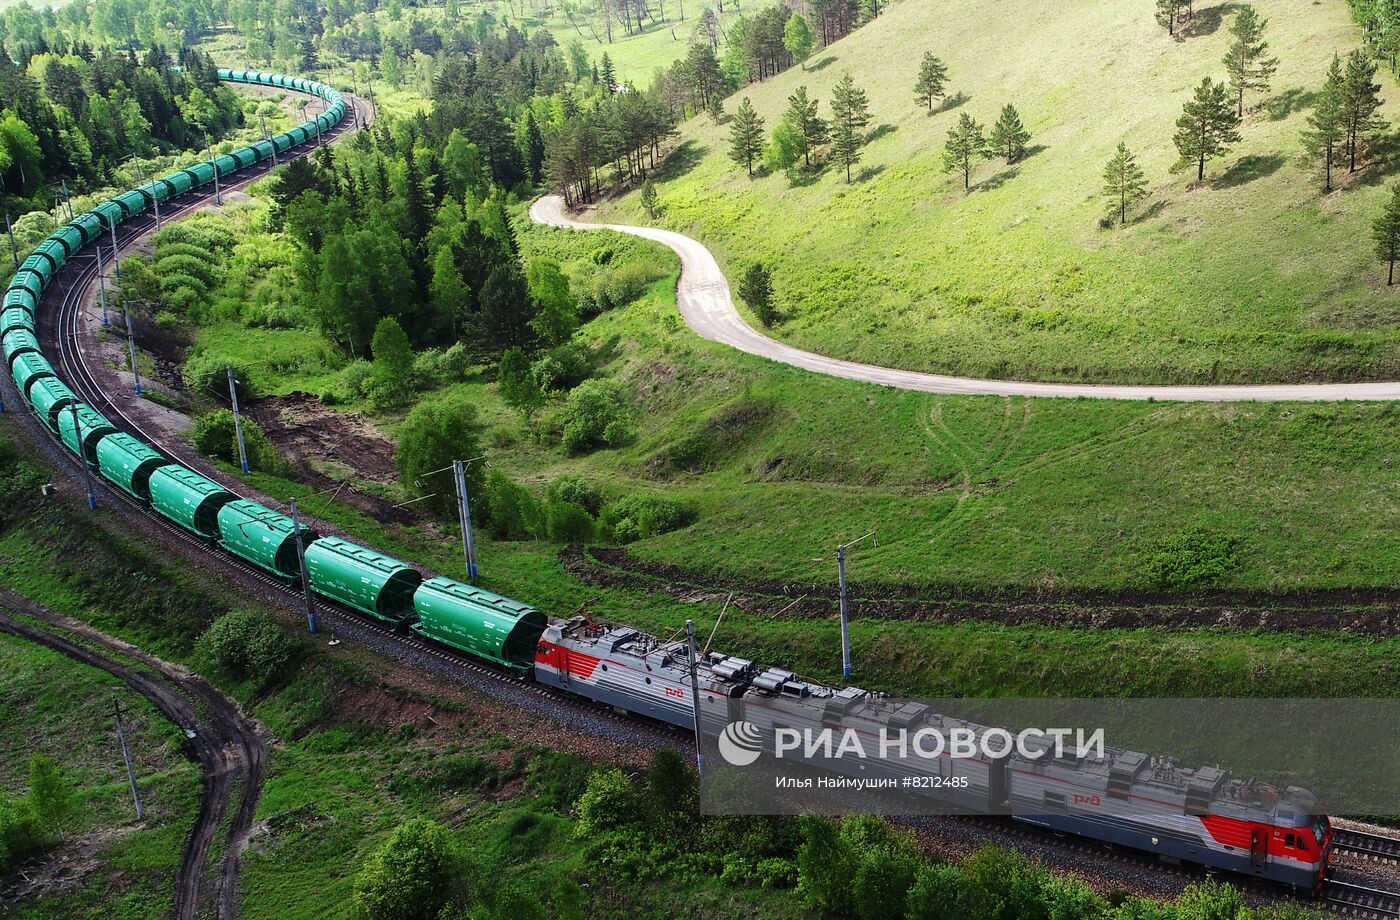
<point x="1207" y="127"/>
<point x="850" y="113"/>
<point x="746" y="135"/>
<point x="966" y="145"/>
<point x="797" y="38"/>
<point x="1245" y="62"/>
<point x="393" y="363"/>
<point x="518" y="387"/>
<point x="1009" y="136"/>
<point x="933" y="76"/>
<point x="1124" y="182"/>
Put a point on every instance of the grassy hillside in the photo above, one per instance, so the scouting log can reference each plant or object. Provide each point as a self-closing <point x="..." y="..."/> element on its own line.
<point x="1254" y="276"/>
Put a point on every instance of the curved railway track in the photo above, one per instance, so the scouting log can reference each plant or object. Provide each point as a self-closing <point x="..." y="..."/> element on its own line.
<point x="62" y="328"/>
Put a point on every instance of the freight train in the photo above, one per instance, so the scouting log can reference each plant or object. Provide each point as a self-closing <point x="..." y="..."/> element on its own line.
<point x="1202" y="816"/>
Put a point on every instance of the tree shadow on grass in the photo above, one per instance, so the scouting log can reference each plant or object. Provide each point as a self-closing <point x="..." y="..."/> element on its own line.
<point x="822" y="64"/>
<point x="1286" y="103"/>
<point x="681" y="161"/>
<point x="1031" y="151"/>
<point x="883" y="130"/>
<point x="995" y="182"/>
<point x="1249" y="168"/>
<point x="869" y="172"/>
<point x="1152" y="210"/>
<point x="950" y="102"/>
<point x="1207" y="22"/>
<point x="1382" y="159"/>
<point x="801" y="178"/>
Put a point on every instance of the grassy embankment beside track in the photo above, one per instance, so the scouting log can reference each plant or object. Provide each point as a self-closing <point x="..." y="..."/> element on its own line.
<point x="1255" y="276"/>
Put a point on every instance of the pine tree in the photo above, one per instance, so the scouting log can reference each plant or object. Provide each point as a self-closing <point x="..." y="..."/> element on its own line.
<point x="1207" y="126"/>
<point x="802" y="115"/>
<point x="1124" y="182"/>
<point x="649" y="200"/>
<point x="797" y="38"/>
<point x="1360" y="102"/>
<point x="1386" y="232"/>
<point x="933" y="75"/>
<point x="965" y="145"/>
<point x="1327" y="134"/>
<point x="756" y="290"/>
<point x="1166" y="14"/>
<point x="606" y="74"/>
<point x="1245" y="61"/>
<point x="745" y="135"/>
<point x="1009" y="136"/>
<point x="850" y="113"/>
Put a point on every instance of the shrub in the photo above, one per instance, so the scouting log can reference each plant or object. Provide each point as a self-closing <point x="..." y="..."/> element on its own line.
<point x="411" y="876"/>
<point x="515" y="514"/>
<point x="626" y="283"/>
<point x="215" y="435"/>
<point x="562" y="368"/>
<point x="180" y="263"/>
<point x="208" y="376"/>
<point x="578" y="491"/>
<point x="569" y="523"/>
<point x="248" y="644"/>
<point x="556" y="779"/>
<point x="1194" y="557"/>
<point x="824" y="868"/>
<point x="595" y="415"/>
<point x="356" y="377"/>
<point x="610" y="802"/>
<point x="637" y="517"/>
<point x="20" y="834"/>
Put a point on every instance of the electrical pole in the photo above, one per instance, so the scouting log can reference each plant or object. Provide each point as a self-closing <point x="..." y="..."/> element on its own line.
<point x="695" y="696"/>
<point x="464" y="514"/>
<point x="131" y="346"/>
<point x="301" y="562"/>
<point x="845" y="617"/>
<point x="237" y="420"/>
<point x="218" y="195"/>
<point x="126" y="755"/>
<point x="263" y="125"/>
<point x="82" y="456"/>
<point x="116" y="253"/>
<point x="14" y="252"/>
<point x="67" y="201"/>
<point x="102" y="286"/>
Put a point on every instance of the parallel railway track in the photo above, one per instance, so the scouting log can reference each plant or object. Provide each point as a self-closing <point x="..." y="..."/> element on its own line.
<point x="1360" y="901"/>
<point x="1366" y="845"/>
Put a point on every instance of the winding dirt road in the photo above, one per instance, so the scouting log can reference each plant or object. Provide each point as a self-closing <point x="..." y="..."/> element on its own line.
<point x="705" y="303"/>
<point x="230" y="748"/>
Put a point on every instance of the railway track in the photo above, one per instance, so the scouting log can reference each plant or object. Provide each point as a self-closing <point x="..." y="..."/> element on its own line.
<point x="1360" y="901"/>
<point x="1366" y="845"/>
<point x="63" y="329"/>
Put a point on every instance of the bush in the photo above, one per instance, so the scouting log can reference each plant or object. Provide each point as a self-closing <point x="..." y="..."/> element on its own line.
<point x="562" y="368"/>
<point x="248" y="644"/>
<point x="434" y="434"/>
<point x="611" y="802"/>
<point x="356" y="377"/>
<point x="515" y="514"/>
<point x="1195" y="557"/>
<point x="556" y="779"/>
<point x="412" y="876"/>
<point x="637" y="517"/>
<point x="568" y="522"/>
<point x="576" y="490"/>
<point x="215" y="435"/>
<point x="596" y="414"/>
<point x="208" y="376"/>
<point x="20" y="834"/>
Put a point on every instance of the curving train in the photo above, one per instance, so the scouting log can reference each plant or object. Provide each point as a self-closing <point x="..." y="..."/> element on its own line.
<point x="1202" y="816"/>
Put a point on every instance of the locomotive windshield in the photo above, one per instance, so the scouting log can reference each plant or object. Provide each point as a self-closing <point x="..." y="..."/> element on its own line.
<point x="1321" y="826"/>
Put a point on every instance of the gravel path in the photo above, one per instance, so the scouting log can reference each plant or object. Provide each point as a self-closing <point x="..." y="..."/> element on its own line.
<point x="705" y="303"/>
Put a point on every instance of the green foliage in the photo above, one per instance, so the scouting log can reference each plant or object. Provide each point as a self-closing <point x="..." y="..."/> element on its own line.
<point x="1207" y="127"/>
<point x="596" y="414"/>
<point x="1385" y="232"/>
<point x="798" y="38"/>
<point x="1245" y="62"/>
<point x="20" y="831"/>
<point x="519" y="388"/>
<point x="1192" y="558"/>
<point x="207" y="375"/>
<point x="1327" y="127"/>
<point x="557" y="316"/>
<point x="447" y="776"/>
<point x="825" y="866"/>
<point x="756" y="290"/>
<point x="50" y="796"/>
<point x="1124" y="182"/>
<point x="562" y="368"/>
<point x="392" y="383"/>
<point x="933" y="78"/>
<point x="567" y="522"/>
<point x="850" y="113"/>
<point x="250" y="645"/>
<point x="965" y="145"/>
<point x="575" y="490"/>
<point x="412" y="876"/>
<point x="515" y="513"/>
<point x="672" y="784"/>
<point x="650" y="201"/>
<point x="611" y="802"/>
<point x="1210" y="900"/>
<point x="638" y="516"/>
<point x="215" y="435"/>
<point x="745" y="135"/>
<point x="436" y="432"/>
<point x="1009" y="137"/>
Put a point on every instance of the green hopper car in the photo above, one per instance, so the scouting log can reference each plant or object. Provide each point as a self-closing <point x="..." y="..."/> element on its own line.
<point x="188" y="499"/>
<point x="479" y="622"/>
<point x="91" y="429"/>
<point x="262" y="536"/>
<point x="128" y="464"/>
<point x="361" y="578"/>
